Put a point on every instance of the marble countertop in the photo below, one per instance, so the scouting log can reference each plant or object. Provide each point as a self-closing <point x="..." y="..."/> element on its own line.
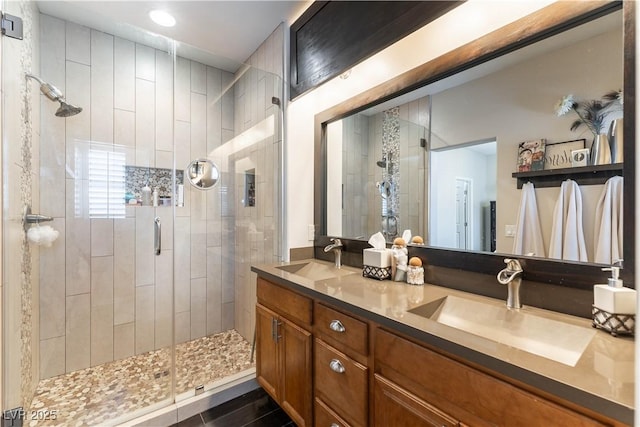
<point x="601" y="377"/>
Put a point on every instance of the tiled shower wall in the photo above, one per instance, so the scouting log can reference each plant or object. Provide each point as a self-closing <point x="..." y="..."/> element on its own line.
<point x="105" y="295"/>
<point x="21" y="136"/>
<point x="258" y="228"/>
<point x="414" y="120"/>
<point x="355" y="157"/>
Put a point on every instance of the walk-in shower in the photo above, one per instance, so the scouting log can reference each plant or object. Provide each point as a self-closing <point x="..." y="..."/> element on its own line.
<point x="53" y="93"/>
<point x="101" y="326"/>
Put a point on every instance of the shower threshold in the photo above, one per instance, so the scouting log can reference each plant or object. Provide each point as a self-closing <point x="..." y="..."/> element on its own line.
<point x="111" y="393"/>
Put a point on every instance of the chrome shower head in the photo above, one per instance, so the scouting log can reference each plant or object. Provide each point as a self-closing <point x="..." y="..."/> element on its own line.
<point x="54" y="94"/>
<point x="382" y="163"/>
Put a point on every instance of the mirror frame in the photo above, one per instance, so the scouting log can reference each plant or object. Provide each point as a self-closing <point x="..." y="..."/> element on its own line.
<point x="544" y="23"/>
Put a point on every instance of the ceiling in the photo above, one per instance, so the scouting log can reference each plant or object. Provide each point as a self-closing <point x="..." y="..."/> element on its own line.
<point x="219" y="33"/>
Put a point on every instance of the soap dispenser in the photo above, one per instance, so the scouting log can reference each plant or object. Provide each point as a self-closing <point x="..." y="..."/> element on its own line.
<point x="614" y="306"/>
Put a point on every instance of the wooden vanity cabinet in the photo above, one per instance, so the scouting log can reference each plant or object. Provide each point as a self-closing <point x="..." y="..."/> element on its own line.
<point x="341" y="374"/>
<point x="328" y="367"/>
<point x="283" y="350"/>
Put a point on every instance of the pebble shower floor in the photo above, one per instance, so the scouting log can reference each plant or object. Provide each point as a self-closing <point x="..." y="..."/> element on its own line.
<point x="102" y="394"/>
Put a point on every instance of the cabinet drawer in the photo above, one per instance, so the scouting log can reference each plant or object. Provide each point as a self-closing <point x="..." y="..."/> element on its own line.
<point x="343" y="331"/>
<point x="286" y="302"/>
<point x="461" y="391"/>
<point x="341" y="382"/>
<point x="396" y="406"/>
<point x="325" y="417"/>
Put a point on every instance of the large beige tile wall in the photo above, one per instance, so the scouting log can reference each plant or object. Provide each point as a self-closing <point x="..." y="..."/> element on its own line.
<point x="20" y="131"/>
<point x="258" y="228"/>
<point x="105" y="295"/>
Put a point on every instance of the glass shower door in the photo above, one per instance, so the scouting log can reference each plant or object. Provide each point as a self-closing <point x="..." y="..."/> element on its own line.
<point x="87" y="293"/>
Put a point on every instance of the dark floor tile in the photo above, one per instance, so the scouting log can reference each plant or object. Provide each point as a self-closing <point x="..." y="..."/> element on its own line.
<point x="277" y="418"/>
<point x="240" y="416"/>
<point x="195" y="421"/>
<point x="228" y="407"/>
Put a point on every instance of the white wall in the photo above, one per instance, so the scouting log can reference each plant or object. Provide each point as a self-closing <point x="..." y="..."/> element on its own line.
<point x="460" y="26"/>
<point x="521" y="100"/>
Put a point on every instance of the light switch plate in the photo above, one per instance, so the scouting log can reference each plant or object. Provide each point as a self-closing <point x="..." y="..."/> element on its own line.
<point x="509" y="230"/>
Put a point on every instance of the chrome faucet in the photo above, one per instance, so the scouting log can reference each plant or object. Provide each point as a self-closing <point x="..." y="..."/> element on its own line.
<point x="511" y="276"/>
<point x="336" y="248"/>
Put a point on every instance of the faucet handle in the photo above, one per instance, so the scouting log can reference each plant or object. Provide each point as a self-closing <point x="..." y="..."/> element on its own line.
<point x="513" y="264"/>
<point x="336" y="241"/>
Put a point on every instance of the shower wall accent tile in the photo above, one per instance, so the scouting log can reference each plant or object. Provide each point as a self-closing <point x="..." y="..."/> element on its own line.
<point x="78" y="332"/>
<point x="125" y="128"/>
<point x="145" y="132"/>
<point x="145" y="314"/>
<point x="164" y="102"/>
<point x="124" y="53"/>
<point x="145" y="258"/>
<point x="101" y="309"/>
<point x="198" y="126"/>
<point x="78" y="254"/>
<point x="183" y="327"/>
<point x="182" y="106"/>
<point x="214" y="290"/>
<point x="123" y="341"/>
<point x="214" y="109"/>
<point x="182" y="276"/>
<point x="52" y="357"/>
<point x="78" y="44"/>
<point x="52" y="286"/>
<point x="101" y="237"/>
<point x="198" y="78"/>
<point x="145" y="63"/>
<point x="101" y="87"/>
<point x="124" y="272"/>
<point x="163" y="299"/>
<point x="198" y="308"/>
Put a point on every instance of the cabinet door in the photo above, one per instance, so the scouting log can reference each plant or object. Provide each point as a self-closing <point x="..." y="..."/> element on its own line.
<point x="394" y="406"/>
<point x="295" y="354"/>
<point x="266" y="351"/>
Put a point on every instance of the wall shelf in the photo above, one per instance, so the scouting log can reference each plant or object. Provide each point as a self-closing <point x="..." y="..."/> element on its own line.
<point x="583" y="175"/>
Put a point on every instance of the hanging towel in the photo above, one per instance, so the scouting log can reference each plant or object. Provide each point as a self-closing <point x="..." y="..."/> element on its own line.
<point x="567" y="234"/>
<point x="608" y="224"/>
<point x="528" y="238"/>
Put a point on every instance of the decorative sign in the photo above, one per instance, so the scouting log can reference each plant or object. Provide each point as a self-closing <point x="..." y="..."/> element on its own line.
<point x="558" y="155"/>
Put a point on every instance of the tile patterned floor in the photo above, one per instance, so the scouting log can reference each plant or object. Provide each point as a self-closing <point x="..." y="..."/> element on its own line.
<point x="254" y="409"/>
<point x="99" y="395"/>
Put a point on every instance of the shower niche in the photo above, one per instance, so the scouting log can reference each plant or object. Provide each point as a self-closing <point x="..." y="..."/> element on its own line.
<point x="138" y="179"/>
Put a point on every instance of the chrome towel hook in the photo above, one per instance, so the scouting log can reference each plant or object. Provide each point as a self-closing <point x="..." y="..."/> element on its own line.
<point x="28" y="218"/>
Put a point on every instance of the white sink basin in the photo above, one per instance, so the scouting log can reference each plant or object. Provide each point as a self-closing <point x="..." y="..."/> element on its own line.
<point x="314" y="271"/>
<point x="552" y="339"/>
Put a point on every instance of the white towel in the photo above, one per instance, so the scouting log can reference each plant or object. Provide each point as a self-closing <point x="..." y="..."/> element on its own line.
<point x="608" y="224"/>
<point x="528" y="238"/>
<point x="567" y="234"/>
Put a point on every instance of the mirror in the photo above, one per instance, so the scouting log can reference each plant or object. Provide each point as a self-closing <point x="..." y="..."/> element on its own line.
<point x="203" y="174"/>
<point x="475" y="117"/>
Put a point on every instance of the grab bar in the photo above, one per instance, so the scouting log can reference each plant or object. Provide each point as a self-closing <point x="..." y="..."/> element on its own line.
<point x="157" y="235"/>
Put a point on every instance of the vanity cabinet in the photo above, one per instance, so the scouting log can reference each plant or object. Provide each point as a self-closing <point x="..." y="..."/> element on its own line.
<point x="326" y="366"/>
<point x="283" y="349"/>
<point x="411" y="376"/>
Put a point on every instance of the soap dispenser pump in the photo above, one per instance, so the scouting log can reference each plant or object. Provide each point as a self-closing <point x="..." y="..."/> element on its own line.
<point x="614" y="306"/>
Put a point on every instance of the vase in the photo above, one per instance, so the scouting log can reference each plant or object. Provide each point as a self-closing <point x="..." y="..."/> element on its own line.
<point x="600" y="151"/>
<point x="615" y="141"/>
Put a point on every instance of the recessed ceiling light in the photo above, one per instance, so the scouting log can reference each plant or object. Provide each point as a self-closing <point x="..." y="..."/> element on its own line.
<point x="163" y="18"/>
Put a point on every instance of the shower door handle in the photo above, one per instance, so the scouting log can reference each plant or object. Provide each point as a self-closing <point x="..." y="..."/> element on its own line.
<point x="157" y="236"/>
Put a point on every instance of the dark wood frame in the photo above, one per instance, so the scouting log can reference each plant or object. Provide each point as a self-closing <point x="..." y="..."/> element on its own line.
<point x="539" y="25"/>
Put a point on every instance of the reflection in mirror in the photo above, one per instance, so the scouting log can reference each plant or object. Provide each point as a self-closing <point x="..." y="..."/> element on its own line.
<point x="381" y="157"/>
<point x="203" y="174"/>
<point x="378" y="181"/>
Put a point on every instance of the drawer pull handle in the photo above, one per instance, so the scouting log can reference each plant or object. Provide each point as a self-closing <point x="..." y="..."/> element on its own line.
<point x="336" y="366"/>
<point x="337" y="326"/>
<point x="334" y="425"/>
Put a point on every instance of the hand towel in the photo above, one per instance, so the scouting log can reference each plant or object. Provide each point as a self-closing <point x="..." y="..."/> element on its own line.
<point x="608" y="224"/>
<point x="567" y="234"/>
<point x="528" y="237"/>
